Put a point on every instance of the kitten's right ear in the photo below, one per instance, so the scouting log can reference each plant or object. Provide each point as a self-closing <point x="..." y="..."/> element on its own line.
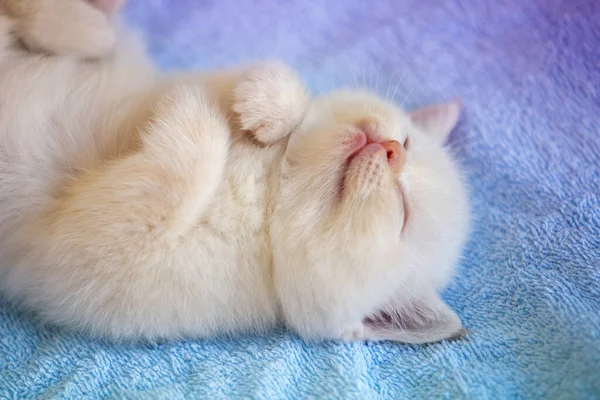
<point x="437" y="120"/>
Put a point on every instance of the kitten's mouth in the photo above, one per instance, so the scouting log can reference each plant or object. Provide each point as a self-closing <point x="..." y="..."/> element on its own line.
<point x="405" y="208"/>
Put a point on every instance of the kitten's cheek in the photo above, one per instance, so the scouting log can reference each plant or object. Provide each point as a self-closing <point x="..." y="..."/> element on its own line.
<point x="354" y="145"/>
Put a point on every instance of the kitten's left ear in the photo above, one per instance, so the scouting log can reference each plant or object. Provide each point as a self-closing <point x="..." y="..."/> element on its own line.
<point x="437" y="120"/>
<point x="426" y="319"/>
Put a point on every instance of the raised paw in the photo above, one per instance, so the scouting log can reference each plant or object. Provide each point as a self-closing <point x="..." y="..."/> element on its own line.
<point x="270" y="101"/>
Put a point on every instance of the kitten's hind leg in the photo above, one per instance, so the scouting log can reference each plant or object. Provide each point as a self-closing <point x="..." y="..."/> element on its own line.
<point x="153" y="197"/>
<point x="65" y="27"/>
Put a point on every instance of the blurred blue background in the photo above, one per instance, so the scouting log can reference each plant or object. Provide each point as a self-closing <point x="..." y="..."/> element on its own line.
<point x="529" y="287"/>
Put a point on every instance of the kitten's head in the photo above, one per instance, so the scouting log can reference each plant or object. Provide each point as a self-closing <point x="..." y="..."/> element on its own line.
<point x="369" y="221"/>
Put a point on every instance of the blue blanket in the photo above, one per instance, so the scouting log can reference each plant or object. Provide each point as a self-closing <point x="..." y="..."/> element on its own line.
<point x="529" y="287"/>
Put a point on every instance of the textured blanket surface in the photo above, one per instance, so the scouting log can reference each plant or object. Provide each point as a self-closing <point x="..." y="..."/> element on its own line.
<point x="529" y="287"/>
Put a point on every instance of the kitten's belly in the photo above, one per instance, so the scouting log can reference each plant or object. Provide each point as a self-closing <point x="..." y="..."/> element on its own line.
<point x="232" y="241"/>
<point x="218" y="278"/>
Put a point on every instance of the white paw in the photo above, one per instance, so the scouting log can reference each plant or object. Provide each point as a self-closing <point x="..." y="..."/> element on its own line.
<point x="66" y="28"/>
<point x="270" y="102"/>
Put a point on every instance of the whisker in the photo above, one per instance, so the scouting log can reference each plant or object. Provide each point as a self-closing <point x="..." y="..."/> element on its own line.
<point x="399" y="83"/>
<point x="363" y="77"/>
<point x="387" y="91"/>
<point x="410" y="92"/>
<point x="372" y="76"/>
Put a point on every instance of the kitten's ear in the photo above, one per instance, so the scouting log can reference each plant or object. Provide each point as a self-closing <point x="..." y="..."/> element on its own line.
<point x="437" y="120"/>
<point x="424" y="320"/>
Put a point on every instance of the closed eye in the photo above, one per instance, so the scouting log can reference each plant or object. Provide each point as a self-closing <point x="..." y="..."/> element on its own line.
<point x="406" y="143"/>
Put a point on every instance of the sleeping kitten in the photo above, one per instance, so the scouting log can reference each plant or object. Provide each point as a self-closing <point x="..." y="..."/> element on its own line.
<point x="140" y="206"/>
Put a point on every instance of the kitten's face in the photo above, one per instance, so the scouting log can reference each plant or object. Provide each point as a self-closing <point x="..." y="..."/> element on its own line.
<point x="365" y="199"/>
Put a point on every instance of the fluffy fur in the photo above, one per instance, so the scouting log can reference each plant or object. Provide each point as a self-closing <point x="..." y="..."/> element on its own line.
<point x="142" y="206"/>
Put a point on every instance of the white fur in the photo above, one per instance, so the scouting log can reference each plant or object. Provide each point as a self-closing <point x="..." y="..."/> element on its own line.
<point x="141" y="206"/>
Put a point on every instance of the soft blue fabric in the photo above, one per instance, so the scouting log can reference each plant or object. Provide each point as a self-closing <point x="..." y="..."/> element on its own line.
<point x="528" y="290"/>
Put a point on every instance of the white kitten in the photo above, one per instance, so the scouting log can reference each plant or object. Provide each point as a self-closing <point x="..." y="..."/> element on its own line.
<point x="132" y="209"/>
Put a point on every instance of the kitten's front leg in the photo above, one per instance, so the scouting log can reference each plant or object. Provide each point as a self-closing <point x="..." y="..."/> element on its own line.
<point x="270" y="101"/>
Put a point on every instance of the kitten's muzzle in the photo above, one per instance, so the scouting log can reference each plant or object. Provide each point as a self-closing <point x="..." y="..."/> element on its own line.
<point x="395" y="152"/>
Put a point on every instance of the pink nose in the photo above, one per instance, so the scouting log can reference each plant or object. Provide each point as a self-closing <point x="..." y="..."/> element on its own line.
<point x="396" y="155"/>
